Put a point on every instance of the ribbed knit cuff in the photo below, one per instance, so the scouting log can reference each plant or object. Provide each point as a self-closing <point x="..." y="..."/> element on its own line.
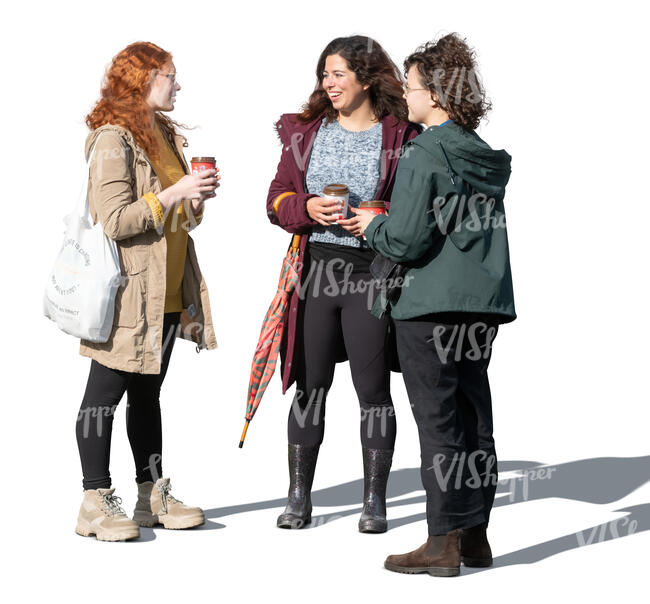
<point x="156" y="209"/>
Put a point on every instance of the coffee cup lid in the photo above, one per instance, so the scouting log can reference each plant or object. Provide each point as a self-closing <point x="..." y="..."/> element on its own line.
<point x="336" y="189"/>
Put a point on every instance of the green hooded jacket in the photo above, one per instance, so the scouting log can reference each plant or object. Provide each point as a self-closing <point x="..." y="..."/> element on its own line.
<point x="447" y="224"/>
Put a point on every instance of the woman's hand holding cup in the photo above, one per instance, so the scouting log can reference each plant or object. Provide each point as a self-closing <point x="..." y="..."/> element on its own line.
<point x="358" y="224"/>
<point x="198" y="186"/>
<point x="322" y="210"/>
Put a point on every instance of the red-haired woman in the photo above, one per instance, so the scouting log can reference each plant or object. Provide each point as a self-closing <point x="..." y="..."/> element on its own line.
<point x="142" y="193"/>
<point x="351" y="131"/>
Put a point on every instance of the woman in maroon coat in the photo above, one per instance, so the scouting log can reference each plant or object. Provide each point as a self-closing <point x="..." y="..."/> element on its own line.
<point x="351" y="131"/>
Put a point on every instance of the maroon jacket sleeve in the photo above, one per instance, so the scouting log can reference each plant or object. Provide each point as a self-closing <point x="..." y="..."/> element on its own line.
<point x="412" y="130"/>
<point x="290" y="212"/>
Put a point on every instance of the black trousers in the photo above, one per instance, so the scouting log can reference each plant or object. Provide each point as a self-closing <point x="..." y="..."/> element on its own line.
<point x="104" y="390"/>
<point x="336" y="314"/>
<point x="444" y="359"/>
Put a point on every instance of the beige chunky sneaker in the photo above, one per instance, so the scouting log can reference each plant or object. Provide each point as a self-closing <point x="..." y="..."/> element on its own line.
<point x="156" y="505"/>
<point x="101" y="515"/>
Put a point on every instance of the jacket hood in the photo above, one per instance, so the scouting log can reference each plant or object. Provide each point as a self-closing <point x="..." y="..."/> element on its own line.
<point x="288" y="125"/>
<point x="467" y="155"/>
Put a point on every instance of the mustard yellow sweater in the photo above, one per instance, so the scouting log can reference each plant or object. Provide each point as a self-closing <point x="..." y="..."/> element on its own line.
<point x="169" y="170"/>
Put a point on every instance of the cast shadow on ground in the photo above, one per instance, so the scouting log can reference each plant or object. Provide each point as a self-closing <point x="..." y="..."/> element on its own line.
<point x="149" y="534"/>
<point x="598" y="480"/>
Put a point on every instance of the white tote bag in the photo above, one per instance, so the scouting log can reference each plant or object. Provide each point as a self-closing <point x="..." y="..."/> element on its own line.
<point x="80" y="292"/>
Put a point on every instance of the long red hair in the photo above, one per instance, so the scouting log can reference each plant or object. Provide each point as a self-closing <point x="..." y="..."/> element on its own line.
<point x="125" y="87"/>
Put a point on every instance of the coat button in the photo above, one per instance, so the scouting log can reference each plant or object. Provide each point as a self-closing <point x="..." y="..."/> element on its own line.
<point x="279" y="125"/>
<point x="286" y="148"/>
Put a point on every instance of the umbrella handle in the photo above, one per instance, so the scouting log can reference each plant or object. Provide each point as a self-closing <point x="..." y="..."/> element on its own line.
<point x="295" y="243"/>
<point x="243" y="434"/>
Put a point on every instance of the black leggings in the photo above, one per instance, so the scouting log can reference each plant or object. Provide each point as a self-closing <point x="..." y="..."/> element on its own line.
<point x="104" y="391"/>
<point x="335" y="315"/>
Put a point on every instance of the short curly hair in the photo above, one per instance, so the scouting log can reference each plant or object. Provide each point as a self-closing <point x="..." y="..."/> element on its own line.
<point x="447" y="67"/>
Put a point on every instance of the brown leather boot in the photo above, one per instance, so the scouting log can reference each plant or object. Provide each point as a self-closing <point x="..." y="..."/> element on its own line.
<point x="475" y="549"/>
<point x="439" y="556"/>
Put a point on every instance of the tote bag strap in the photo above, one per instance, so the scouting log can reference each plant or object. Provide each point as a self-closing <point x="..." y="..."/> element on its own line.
<point x="82" y="209"/>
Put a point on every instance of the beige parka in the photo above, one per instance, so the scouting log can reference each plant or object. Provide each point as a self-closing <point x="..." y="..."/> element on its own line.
<point x="120" y="175"/>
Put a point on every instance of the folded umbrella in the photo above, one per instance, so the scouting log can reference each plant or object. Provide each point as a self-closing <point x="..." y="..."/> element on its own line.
<point x="268" y="346"/>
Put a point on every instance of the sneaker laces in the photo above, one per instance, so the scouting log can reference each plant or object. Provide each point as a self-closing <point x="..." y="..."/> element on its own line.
<point x="112" y="505"/>
<point x="166" y="495"/>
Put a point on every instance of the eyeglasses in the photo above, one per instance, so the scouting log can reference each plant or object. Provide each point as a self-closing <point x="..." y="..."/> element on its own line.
<point x="407" y="89"/>
<point x="171" y="75"/>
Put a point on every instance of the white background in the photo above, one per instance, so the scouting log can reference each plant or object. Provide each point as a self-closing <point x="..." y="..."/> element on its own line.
<point x="569" y="86"/>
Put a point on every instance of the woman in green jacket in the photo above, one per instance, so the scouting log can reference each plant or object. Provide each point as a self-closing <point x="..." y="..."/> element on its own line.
<point x="446" y="229"/>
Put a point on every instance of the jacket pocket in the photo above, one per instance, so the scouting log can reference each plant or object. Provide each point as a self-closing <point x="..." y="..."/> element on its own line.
<point x="474" y="233"/>
<point x="129" y="301"/>
<point x="469" y="239"/>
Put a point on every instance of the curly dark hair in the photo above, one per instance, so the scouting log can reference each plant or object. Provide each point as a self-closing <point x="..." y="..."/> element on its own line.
<point x="371" y="65"/>
<point x="448" y="68"/>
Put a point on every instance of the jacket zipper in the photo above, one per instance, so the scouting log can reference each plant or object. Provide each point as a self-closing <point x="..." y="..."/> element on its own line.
<point x="382" y="171"/>
<point x="304" y="180"/>
<point x="449" y="168"/>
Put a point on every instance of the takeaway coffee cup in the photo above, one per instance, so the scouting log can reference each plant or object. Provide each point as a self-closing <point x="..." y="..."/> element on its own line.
<point x="199" y="164"/>
<point x="376" y="206"/>
<point x="339" y="193"/>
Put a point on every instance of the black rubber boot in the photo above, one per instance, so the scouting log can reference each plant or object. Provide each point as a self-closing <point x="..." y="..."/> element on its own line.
<point x="302" y="463"/>
<point x="376" y="468"/>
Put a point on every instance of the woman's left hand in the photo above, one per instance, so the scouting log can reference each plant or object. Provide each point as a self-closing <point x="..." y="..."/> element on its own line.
<point x="358" y="224"/>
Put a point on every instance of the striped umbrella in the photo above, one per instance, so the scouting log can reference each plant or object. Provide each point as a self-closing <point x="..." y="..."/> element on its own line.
<point x="268" y="346"/>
